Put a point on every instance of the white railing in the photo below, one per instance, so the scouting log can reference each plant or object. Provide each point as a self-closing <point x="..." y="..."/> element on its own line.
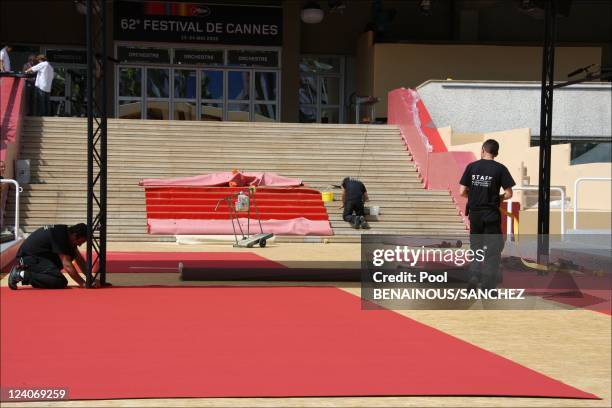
<point x="17" y="191"/>
<point x="535" y="188"/>
<point x="576" y="184"/>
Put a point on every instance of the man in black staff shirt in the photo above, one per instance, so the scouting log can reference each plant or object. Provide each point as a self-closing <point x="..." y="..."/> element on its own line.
<point x="354" y="194"/>
<point x="45" y="253"/>
<point x="481" y="183"/>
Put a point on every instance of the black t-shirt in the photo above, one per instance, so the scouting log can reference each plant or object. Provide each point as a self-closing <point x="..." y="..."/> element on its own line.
<point x="353" y="189"/>
<point x="484" y="178"/>
<point x="48" y="242"/>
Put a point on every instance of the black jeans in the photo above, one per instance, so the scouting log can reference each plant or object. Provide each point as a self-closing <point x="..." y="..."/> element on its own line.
<point x="41" y="103"/>
<point x="42" y="273"/>
<point x="486" y="234"/>
<point x="351" y="207"/>
<point x="30" y="95"/>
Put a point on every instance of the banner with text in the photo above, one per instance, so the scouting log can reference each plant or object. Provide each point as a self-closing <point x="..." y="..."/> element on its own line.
<point x="158" y="21"/>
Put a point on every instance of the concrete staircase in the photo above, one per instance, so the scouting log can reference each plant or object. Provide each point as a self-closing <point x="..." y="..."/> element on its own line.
<point x="319" y="154"/>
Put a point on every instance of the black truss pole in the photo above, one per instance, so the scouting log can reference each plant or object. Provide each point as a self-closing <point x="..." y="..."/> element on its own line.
<point x="96" y="141"/>
<point x="548" y="71"/>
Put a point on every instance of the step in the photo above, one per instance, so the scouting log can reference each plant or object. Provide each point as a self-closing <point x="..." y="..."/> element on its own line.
<point x="403" y="219"/>
<point x="32" y="138"/>
<point x="127" y="206"/>
<point x="245" y="155"/>
<point x="409" y="232"/>
<point x="384" y="204"/>
<point x="403" y="225"/>
<point x="128" y="224"/>
<point x="318" y="180"/>
<point x="130" y="220"/>
<point x="71" y="180"/>
<point x="166" y="124"/>
<point x="132" y="192"/>
<point x="375" y="189"/>
<point x="205" y="166"/>
<point x="63" y="134"/>
<point x="81" y="123"/>
<point x="129" y="198"/>
<point x="163" y="140"/>
<point x="121" y="212"/>
<point x="149" y="172"/>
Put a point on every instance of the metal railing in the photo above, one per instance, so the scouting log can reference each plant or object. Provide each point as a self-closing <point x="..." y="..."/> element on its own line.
<point x="576" y="184"/>
<point x="535" y="188"/>
<point x="18" y="190"/>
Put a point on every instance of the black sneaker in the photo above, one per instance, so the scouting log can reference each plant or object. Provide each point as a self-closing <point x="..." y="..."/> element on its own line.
<point x="363" y="223"/>
<point x="14" y="278"/>
<point x="355" y="224"/>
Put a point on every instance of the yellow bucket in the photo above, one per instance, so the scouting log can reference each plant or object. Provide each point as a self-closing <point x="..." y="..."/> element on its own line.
<point x="327" y="196"/>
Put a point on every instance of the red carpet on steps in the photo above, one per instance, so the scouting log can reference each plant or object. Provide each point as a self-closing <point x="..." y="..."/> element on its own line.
<point x="198" y="210"/>
<point x="241" y="342"/>
<point x="202" y="203"/>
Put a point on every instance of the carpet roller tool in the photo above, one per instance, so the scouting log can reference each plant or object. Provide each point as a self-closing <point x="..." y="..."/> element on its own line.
<point x="244" y="200"/>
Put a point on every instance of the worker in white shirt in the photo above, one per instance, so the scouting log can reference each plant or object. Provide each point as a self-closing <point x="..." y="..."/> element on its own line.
<point x="5" y="61"/>
<point x="44" y="79"/>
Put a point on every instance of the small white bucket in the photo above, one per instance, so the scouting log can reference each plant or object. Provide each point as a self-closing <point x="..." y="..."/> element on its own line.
<point x="22" y="170"/>
<point x="374" y="210"/>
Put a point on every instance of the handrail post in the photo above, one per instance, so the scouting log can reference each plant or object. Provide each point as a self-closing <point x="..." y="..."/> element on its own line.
<point x="509" y="220"/>
<point x="576" y="182"/>
<point x="18" y="189"/>
<point x="562" y="210"/>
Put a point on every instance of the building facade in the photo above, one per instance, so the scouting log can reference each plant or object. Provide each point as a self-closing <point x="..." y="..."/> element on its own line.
<point x="256" y="60"/>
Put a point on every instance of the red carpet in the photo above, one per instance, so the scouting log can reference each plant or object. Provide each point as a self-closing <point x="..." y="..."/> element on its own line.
<point x="240" y="342"/>
<point x="196" y="210"/>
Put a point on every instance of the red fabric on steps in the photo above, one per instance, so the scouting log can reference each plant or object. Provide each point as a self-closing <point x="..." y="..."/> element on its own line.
<point x="202" y="210"/>
<point x="240" y="342"/>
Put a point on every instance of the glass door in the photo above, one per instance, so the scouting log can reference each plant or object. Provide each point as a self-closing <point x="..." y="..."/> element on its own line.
<point x="157" y="93"/>
<point x="185" y="94"/>
<point x="58" y="97"/>
<point x="309" y="98"/>
<point x="129" y="93"/>
<point x="265" y="92"/>
<point x="239" y="96"/>
<point x="252" y="95"/>
<point x="68" y="91"/>
<point x="77" y="96"/>
<point x="321" y="92"/>
<point x="329" y="93"/>
<point x="212" y="94"/>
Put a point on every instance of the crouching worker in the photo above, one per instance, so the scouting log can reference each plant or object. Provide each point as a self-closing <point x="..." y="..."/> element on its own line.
<point x="354" y="194"/>
<point x="45" y="253"/>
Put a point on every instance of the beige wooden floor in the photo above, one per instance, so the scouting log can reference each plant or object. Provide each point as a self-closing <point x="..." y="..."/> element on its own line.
<point x="573" y="346"/>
